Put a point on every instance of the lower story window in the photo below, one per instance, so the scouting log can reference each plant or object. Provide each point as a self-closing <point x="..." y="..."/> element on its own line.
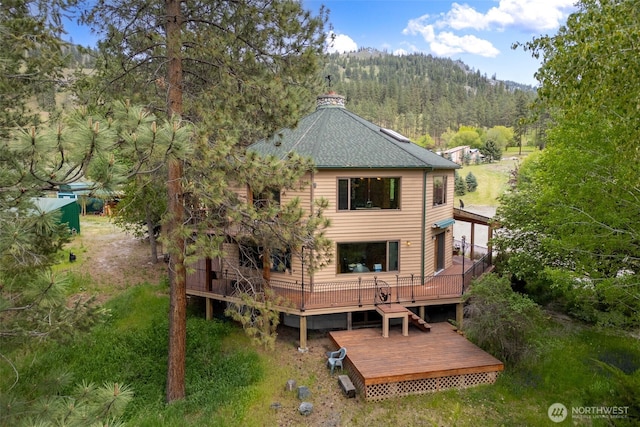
<point x="362" y="257"/>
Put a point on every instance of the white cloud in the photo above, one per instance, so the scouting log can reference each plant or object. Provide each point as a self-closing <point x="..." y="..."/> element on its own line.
<point x="420" y="26"/>
<point x="463" y="16"/>
<point x="340" y="43"/>
<point x="443" y="32"/>
<point x="528" y="15"/>
<point x="446" y="43"/>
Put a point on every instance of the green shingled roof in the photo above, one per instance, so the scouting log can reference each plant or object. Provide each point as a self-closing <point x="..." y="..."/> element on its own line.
<point x="336" y="138"/>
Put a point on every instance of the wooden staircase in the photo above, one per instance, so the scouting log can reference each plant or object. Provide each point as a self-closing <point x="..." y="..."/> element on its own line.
<point x="418" y="322"/>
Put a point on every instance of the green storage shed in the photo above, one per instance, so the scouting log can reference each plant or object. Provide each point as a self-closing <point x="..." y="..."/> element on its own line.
<point x="69" y="209"/>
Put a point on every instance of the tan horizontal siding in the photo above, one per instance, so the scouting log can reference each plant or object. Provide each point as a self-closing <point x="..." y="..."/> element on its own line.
<point x="435" y="214"/>
<point x="403" y="225"/>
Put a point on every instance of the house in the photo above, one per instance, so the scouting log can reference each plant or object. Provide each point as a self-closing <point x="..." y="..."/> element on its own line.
<point x="463" y="154"/>
<point x="90" y="200"/>
<point x="391" y="206"/>
<point x="456" y="154"/>
<point x="68" y="208"/>
<point x="475" y="156"/>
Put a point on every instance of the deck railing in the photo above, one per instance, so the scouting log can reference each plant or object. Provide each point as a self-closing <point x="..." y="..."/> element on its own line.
<point x="480" y="266"/>
<point x="357" y="292"/>
<point x="361" y="291"/>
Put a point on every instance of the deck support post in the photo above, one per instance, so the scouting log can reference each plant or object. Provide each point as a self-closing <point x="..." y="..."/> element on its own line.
<point x="349" y="321"/>
<point x="208" y="310"/>
<point x="303" y="334"/>
<point x="422" y="312"/>
<point x="459" y="314"/>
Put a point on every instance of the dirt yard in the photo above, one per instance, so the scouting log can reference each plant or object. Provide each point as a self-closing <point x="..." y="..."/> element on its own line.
<point x="112" y="258"/>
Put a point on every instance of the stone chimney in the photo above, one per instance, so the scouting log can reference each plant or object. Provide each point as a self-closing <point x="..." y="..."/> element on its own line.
<point x="330" y="99"/>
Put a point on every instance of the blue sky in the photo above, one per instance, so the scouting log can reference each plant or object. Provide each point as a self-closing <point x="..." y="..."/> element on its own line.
<point x="480" y="33"/>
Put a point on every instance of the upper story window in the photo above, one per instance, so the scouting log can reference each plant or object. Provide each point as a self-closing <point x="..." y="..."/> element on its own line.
<point x="439" y="190"/>
<point x="266" y="198"/>
<point x="368" y="193"/>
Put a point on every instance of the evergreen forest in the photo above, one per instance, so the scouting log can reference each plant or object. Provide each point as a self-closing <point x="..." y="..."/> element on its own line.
<point x="419" y="94"/>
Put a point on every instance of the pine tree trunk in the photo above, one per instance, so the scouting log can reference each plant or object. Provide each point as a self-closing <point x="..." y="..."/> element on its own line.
<point x="177" y="275"/>
<point x="153" y="243"/>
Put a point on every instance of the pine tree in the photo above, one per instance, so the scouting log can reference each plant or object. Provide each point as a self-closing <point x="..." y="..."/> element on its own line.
<point x="240" y="70"/>
<point x="491" y="150"/>
<point x="471" y="182"/>
<point x="31" y="59"/>
<point x="460" y="186"/>
<point x="32" y="297"/>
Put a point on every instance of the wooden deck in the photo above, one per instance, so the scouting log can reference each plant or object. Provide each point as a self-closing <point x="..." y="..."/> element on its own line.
<point x="419" y="363"/>
<point x="355" y="294"/>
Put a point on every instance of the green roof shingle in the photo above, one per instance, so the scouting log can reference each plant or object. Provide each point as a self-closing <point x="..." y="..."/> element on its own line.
<point x="336" y="138"/>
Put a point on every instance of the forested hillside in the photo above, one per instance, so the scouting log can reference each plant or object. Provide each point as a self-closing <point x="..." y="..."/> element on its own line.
<point x="422" y="95"/>
<point x="415" y="94"/>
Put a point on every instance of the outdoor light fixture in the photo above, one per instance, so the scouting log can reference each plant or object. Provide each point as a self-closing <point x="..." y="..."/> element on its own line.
<point x="408" y="242"/>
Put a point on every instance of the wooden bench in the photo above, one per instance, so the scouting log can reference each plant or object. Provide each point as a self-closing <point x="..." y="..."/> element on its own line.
<point x="347" y="386"/>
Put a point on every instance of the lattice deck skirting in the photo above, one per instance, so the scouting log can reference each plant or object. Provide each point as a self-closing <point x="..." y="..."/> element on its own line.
<point x="422" y="362"/>
<point x="428" y="385"/>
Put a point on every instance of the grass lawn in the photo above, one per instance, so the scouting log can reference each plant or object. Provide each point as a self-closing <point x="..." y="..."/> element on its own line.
<point x="231" y="383"/>
<point x="492" y="177"/>
<point x="492" y="182"/>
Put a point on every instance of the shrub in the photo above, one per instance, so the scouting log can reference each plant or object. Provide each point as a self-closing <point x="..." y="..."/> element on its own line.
<point x="503" y="322"/>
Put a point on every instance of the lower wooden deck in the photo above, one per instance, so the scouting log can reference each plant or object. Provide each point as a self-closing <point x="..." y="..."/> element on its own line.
<point x="419" y="363"/>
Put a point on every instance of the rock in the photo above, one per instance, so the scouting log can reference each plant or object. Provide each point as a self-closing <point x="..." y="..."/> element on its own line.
<point x="304" y="392"/>
<point x="276" y="405"/>
<point x="306" y="408"/>
<point x="291" y="385"/>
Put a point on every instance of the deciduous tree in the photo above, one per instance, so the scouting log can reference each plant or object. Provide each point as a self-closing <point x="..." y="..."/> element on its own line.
<point x="502" y="135"/>
<point x="576" y="207"/>
<point x="466" y="136"/>
<point x="141" y="208"/>
<point x="503" y="322"/>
